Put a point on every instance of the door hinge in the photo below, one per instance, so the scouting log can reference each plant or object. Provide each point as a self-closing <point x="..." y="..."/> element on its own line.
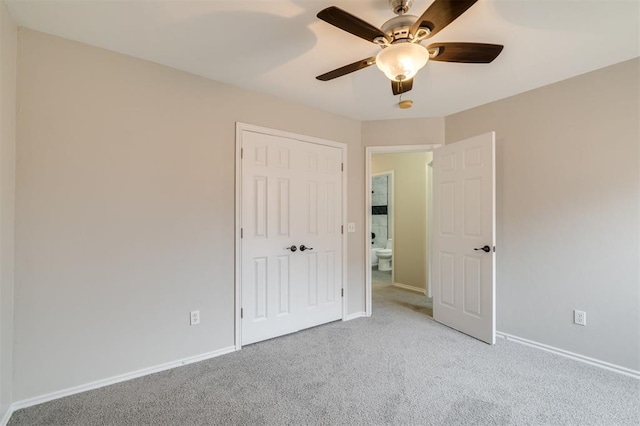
<point x="342" y="167"/>
<point x="343" y="292"/>
<point x="241" y="153"/>
<point x="241" y="313"/>
<point x="342" y="229"/>
<point x="241" y="232"/>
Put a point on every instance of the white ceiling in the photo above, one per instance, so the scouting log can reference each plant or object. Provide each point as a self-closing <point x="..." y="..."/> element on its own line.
<point x="279" y="46"/>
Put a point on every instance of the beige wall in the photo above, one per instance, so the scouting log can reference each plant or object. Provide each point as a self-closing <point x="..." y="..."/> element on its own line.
<point x="8" y="58"/>
<point x="410" y="214"/>
<point x="568" y="193"/>
<point x="411" y="131"/>
<point x="125" y="210"/>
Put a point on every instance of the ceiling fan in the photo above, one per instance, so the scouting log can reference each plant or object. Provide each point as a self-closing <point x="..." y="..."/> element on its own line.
<point x="400" y="38"/>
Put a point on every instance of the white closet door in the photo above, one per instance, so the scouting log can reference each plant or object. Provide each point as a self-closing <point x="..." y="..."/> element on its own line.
<point x="291" y="196"/>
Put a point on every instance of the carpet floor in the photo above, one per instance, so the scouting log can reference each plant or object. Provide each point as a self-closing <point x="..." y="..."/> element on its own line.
<point x="381" y="284"/>
<point x="397" y="367"/>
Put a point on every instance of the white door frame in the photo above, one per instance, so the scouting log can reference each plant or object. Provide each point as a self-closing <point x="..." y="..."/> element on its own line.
<point x="369" y="152"/>
<point x="240" y="127"/>
<point x="429" y="173"/>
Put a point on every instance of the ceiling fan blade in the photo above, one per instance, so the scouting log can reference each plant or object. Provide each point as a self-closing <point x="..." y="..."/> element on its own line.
<point x="400" y="87"/>
<point x="364" y="63"/>
<point x="351" y="24"/>
<point x="470" y="53"/>
<point x="440" y="14"/>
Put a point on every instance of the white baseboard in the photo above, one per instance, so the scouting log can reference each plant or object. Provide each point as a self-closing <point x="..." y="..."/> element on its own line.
<point x="7" y="416"/>
<point x="410" y="287"/>
<point x="117" y="379"/>
<point x="354" y="316"/>
<point x="587" y="360"/>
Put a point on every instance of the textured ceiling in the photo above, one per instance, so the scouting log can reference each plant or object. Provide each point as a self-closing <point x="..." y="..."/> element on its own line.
<point x="279" y="46"/>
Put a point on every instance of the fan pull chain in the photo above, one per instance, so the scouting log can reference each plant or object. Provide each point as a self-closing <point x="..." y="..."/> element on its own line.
<point x="403" y="104"/>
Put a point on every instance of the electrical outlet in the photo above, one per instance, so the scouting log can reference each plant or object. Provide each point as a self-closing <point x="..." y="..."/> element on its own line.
<point x="351" y="227"/>
<point x="195" y="317"/>
<point x="579" y="317"/>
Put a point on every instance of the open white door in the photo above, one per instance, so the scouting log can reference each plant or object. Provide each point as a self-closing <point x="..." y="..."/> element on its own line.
<point x="464" y="236"/>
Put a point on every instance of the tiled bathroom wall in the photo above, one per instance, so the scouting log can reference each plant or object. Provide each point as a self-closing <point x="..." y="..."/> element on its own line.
<point x="379" y="220"/>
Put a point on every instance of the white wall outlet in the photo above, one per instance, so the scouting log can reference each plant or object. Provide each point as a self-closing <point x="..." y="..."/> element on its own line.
<point x="351" y="227"/>
<point x="195" y="317"/>
<point x="579" y="317"/>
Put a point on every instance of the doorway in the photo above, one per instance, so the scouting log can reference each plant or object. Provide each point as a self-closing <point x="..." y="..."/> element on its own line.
<point x="381" y="219"/>
<point x="407" y="281"/>
<point x="462" y="243"/>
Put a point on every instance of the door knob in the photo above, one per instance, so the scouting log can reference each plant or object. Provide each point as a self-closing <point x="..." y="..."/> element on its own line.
<point x="485" y="249"/>
<point x="303" y="248"/>
<point x="293" y="248"/>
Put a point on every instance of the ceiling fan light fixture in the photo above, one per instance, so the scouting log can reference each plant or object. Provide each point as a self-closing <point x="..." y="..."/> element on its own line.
<point x="401" y="61"/>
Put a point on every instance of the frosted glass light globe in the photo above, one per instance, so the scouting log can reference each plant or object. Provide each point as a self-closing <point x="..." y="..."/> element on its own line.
<point x="402" y="61"/>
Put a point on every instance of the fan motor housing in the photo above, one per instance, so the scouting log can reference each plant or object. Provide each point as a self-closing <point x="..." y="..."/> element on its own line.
<point x="398" y="27"/>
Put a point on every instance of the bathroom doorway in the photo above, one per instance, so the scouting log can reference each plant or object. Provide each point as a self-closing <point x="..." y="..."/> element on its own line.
<point x="398" y="184"/>
<point x="382" y="226"/>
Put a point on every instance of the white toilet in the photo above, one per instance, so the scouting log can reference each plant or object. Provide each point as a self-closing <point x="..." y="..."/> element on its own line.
<point x="384" y="256"/>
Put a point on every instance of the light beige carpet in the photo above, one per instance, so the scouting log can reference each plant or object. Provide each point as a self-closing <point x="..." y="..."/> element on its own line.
<point x="381" y="284"/>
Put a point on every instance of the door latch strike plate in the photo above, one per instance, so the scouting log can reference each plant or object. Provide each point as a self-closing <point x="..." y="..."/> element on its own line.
<point x="241" y="313"/>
